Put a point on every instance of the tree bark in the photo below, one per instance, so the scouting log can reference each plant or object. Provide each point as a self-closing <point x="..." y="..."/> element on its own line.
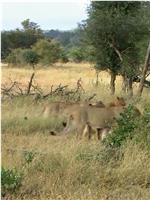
<point x="124" y="84"/>
<point x="112" y="83"/>
<point x="97" y="76"/>
<point x="145" y="69"/>
<point x="130" y="87"/>
<point x="33" y="67"/>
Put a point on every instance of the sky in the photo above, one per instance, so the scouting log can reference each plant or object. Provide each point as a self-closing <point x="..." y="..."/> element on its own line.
<point x="58" y="14"/>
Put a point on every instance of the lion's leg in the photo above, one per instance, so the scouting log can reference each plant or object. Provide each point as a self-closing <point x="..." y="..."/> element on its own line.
<point x="87" y="131"/>
<point x="99" y="133"/>
<point x="106" y="131"/>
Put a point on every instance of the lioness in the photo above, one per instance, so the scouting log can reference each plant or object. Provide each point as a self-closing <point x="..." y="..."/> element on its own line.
<point x="79" y="114"/>
<point x="87" y="119"/>
<point x="98" y="104"/>
<point x="101" y="132"/>
<point x="53" y="109"/>
<point x="119" y="101"/>
<point x="98" y="118"/>
<point x="57" y="108"/>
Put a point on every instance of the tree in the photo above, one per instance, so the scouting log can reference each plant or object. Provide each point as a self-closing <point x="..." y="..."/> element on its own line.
<point x="145" y="69"/>
<point x="31" y="27"/>
<point x="25" y="38"/>
<point x="114" y="29"/>
<point x="48" y="50"/>
<point x="30" y="57"/>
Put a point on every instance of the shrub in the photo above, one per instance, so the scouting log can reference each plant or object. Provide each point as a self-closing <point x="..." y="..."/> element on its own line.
<point x="63" y="57"/>
<point x="142" y="133"/>
<point x="126" y="125"/>
<point x="10" y="180"/>
<point x="48" y="50"/>
<point x="16" y="57"/>
<point x="30" y="57"/>
<point x="76" y="54"/>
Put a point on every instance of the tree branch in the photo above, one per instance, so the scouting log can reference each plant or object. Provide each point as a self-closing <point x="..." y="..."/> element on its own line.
<point x="30" y="83"/>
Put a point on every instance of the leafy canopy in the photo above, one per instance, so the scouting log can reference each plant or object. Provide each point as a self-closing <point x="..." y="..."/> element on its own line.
<point x="114" y="29"/>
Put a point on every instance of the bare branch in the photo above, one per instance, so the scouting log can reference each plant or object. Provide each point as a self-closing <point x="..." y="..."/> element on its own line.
<point x="30" y="83"/>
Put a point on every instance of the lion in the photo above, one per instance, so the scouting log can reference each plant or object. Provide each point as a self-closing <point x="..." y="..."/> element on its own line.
<point x="54" y="109"/>
<point x="72" y="112"/>
<point x="97" y="118"/>
<point x="87" y="120"/>
<point x="101" y="132"/>
<point x="119" y="101"/>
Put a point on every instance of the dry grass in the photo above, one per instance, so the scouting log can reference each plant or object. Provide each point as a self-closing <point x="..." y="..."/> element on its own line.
<point x="66" y="74"/>
<point x="64" y="168"/>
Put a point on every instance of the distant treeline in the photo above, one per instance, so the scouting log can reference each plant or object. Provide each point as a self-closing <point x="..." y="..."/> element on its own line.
<point x="66" y="38"/>
<point x="50" y="46"/>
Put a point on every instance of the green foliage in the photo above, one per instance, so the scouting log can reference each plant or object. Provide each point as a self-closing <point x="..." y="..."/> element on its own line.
<point x="25" y="38"/>
<point x="22" y="56"/>
<point x="10" y="180"/>
<point x="114" y="27"/>
<point x="124" y="130"/>
<point x="129" y="126"/>
<point x="30" y="57"/>
<point x="63" y="57"/>
<point x="48" y="50"/>
<point x="142" y="133"/>
<point x="16" y="57"/>
<point x="64" y="37"/>
<point x="31" y="27"/>
<point x="76" y="54"/>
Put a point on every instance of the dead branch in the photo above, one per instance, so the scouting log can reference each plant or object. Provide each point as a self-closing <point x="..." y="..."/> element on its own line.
<point x="79" y="85"/>
<point x="147" y="74"/>
<point x="30" y="83"/>
<point x="92" y="97"/>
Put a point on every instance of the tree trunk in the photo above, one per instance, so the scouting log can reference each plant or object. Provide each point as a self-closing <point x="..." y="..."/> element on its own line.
<point x="145" y="69"/>
<point x="130" y="88"/>
<point x="124" y="84"/>
<point x="97" y="76"/>
<point x="33" y="66"/>
<point x="112" y="83"/>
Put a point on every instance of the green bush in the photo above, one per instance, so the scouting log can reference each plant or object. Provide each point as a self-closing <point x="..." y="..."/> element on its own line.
<point x="48" y="50"/>
<point x="30" y="57"/>
<point x="16" y="57"/>
<point x="10" y="180"/>
<point x="63" y="57"/>
<point x="126" y="125"/>
<point x="142" y="133"/>
<point x="76" y="54"/>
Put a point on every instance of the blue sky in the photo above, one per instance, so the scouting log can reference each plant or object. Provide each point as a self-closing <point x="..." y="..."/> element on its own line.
<point x="61" y="15"/>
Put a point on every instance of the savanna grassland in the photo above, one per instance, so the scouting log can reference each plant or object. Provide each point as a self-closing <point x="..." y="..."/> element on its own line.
<point x="62" y="167"/>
